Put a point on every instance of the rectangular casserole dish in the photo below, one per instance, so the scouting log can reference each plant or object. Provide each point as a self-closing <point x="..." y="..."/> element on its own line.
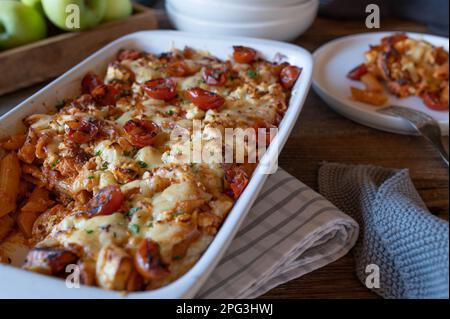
<point x="17" y="283"/>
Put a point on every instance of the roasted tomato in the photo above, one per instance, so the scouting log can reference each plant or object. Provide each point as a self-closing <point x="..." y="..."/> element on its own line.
<point x="357" y="72"/>
<point x="161" y="89"/>
<point x="289" y="75"/>
<point x="106" y="94"/>
<point x="214" y="76"/>
<point x="244" y="54"/>
<point x="141" y="133"/>
<point x="148" y="261"/>
<point x="81" y="132"/>
<point x="433" y="101"/>
<point x="90" y="82"/>
<point x="205" y="100"/>
<point x="237" y="177"/>
<point x="106" y="202"/>
<point x="50" y="261"/>
<point x="129" y="55"/>
<point x="179" y="69"/>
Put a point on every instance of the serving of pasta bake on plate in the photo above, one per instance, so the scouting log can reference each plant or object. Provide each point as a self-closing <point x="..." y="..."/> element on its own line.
<point x="407" y="67"/>
<point x="99" y="183"/>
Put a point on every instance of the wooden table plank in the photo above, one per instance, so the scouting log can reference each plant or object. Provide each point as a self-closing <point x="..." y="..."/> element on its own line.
<point x="322" y="135"/>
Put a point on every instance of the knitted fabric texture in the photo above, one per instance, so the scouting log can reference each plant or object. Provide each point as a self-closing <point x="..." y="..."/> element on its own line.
<point x="398" y="233"/>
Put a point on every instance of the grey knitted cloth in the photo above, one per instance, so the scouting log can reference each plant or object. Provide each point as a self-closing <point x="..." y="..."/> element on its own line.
<point x="398" y="234"/>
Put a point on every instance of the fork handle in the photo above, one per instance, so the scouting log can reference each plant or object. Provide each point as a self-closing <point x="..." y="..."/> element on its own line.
<point x="438" y="144"/>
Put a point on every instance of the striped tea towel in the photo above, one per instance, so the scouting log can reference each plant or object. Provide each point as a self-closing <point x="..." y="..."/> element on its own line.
<point x="290" y="231"/>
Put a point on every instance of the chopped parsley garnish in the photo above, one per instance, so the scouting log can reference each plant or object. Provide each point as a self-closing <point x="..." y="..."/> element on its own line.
<point x="142" y="164"/>
<point x="170" y="112"/>
<point x="91" y="177"/>
<point x="105" y="166"/>
<point x="56" y="163"/>
<point x="252" y="73"/>
<point x="134" y="228"/>
<point x="133" y="211"/>
<point x="177" y="257"/>
<point x="98" y="153"/>
<point x="150" y="225"/>
<point x="127" y="153"/>
<point x="90" y="231"/>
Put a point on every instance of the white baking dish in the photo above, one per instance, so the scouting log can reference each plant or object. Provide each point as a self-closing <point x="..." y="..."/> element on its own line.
<point x="17" y="283"/>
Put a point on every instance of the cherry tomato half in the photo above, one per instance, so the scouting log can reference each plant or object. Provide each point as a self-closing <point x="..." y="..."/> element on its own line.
<point x="205" y="100"/>
<point x="148" y="261"/>
<point x="289" y="75"/>
<point x="106" y="202"/>
<point x="243" y="54"/>
<point x="141" y="133"/>
<point x="90" y="82"/>
<point x="214" y="76"/>
<point x="357" y="72"/>
<point x="161" y="89"/>
<point x="129" y="55"/>
<point x="178" y="69"/>
<point x="237" y="178"/>
<point x="81" y="132"/>
<point x="433" y="101"/>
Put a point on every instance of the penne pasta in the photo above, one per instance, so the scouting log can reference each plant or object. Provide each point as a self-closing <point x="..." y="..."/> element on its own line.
<point x="6" y="226"/>
<point x="14" y="142"/>
<point x="365" y="96"/>
<point x="36" y="204"/>
<point x="9" y="183"/>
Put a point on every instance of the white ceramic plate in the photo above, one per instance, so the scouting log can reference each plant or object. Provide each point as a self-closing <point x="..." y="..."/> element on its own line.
<point x="335" y="59"/>
<point x="282" y="30"/>
<point x="241" y="13"/>
<point x="17" y="283"/>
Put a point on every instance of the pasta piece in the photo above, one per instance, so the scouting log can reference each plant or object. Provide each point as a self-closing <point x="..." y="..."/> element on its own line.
<point x="6" y="226"/>
<point x="47" y="220"/>
<point x="365" y="96"/>
<point x="36" y="205"/>
<point x="372" y="83"/>
<point x="9" y="183"/>
<point x="14" y="142"/>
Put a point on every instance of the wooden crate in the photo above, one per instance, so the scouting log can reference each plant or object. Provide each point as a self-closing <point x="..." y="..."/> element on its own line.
<point x="46" y="59"/>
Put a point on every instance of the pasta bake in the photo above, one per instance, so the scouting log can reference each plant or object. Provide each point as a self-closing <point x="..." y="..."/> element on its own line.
<point x="99" y="183"/>
<point x="406" y="67"/>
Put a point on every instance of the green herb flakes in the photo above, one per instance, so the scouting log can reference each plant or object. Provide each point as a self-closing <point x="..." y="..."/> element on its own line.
<point x="142" y="164"/>
<point x="133" y="211"/>
<point x="134" y="228"/>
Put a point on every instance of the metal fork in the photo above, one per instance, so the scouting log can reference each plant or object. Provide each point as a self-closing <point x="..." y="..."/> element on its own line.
<point x="424" y="125"/>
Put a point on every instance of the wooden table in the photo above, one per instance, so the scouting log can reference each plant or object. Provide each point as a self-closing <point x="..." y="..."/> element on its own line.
<point x="322" y="135"/>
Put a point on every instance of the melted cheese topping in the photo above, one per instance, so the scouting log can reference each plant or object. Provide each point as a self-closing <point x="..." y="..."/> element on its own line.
<point x="167" y="199"/>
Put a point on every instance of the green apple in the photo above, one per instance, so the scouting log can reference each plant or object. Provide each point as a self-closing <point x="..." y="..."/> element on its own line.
<point x="118" y="9"/>
<point x="75" y="15"/>
<point x="35" y="4"/>
<point x="19" y="24"/>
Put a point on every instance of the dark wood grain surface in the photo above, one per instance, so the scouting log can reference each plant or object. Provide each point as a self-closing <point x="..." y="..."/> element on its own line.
<point x="322" y="135"/>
